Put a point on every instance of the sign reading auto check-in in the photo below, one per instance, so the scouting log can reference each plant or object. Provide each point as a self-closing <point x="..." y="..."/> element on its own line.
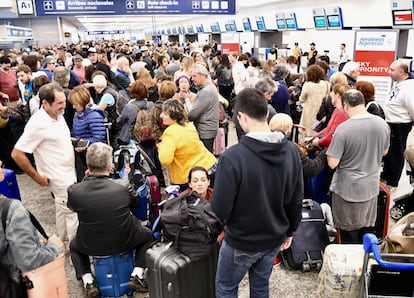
<point x="139" y="7"/>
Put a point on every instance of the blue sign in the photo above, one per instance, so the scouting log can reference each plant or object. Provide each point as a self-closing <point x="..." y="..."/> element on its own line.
<point x="105" y="32"/>
<point x="133" y="7"/>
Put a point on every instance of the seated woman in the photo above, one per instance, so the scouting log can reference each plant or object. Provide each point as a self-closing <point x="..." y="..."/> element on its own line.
<point x="311" y="167"/>
<point x="199" y="181"/>
<point x="180" y="148"/>
<point x="88" y="125"/>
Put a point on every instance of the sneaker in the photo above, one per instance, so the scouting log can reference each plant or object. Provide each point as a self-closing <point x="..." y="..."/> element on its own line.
<point x="92" y="290"/>
<point x="138" y="284"/>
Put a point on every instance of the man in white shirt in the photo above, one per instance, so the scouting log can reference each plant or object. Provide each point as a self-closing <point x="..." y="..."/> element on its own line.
<point x="399" y="114"/>
<point x="343" y="57"/>
<point x="47" y="136"/>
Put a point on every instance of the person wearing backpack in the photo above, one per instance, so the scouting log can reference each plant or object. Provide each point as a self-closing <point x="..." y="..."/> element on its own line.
<point x="128" y="117"/>
<point x="20" y="247"/>
<point x="368" y="90"/>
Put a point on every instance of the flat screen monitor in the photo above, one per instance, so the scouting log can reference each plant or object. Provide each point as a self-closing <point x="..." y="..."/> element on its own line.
<point x="319" y="21"/>
<point x="246" y="24"/>
<point x="334" y="21"/>
<point x="281" y="24"/>
<point x="200" y="28"/>
<point x="233" y="25"/>
<point x="260" y="24"/>
<point x="290" y="23"/>
<point x="402" y="17"/>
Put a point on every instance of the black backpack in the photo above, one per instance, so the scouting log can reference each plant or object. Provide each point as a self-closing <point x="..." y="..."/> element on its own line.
<point x="190" y="222"/>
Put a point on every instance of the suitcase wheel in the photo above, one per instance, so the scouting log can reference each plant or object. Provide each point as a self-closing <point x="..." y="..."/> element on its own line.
<point x="397" y="212"/>
<point x="306" y="267"/>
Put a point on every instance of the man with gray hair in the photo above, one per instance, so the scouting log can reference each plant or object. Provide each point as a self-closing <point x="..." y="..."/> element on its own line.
<point x="107" y="226"/>
<point x="356" y="151"/>
<point x="351" y="70"/>
<point x="47" y="136"/>
<point x="205" y="110"/>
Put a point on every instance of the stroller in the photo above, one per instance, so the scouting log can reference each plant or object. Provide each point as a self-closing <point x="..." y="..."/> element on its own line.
<point x="134" y="165"/>
<point x="405" y="204"/>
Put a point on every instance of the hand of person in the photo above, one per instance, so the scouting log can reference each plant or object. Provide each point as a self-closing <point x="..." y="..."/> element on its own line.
<point x="6" y="96"/>
<point x="42" y="180"/>
<point x="80" y="149"/>
<point x="286" y="244"/>
<point x="315" y="142"/>
<point x="56" y="240"/>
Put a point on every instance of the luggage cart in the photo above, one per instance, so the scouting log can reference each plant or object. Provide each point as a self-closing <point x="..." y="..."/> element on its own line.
<point x="392" y="276"/>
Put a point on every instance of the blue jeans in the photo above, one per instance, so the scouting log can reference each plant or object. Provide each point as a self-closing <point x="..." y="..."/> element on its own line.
<point x="233" y="265"/>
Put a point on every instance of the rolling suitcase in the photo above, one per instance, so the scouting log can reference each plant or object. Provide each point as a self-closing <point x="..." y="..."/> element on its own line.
<point x="155" y="197"/>
<point x="309" y="240"/>
<point x="113" y="273"/>
<point x="172" y="274"/>
<point x="219" y="142"/>
<point x="383" y="208"/>
<point x="9" y="187"/>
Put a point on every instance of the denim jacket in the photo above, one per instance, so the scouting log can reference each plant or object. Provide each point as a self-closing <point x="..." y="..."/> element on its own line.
<point x="20" y="248"/>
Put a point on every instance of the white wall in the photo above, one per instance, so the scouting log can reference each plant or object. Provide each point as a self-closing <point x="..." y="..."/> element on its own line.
<point x="45" y="31"/>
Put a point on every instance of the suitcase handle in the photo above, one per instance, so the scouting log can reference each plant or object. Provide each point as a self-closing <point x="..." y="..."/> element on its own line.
<point x="371" y="242"/>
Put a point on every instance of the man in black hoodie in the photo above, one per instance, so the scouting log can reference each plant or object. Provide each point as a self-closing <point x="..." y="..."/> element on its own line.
<point x="258" y="195"/>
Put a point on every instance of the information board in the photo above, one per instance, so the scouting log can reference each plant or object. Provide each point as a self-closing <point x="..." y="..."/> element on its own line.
<point x="133" y="7"/>
<point x="375" y="50"/>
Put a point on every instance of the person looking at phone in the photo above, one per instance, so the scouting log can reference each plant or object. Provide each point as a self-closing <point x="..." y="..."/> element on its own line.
<point x="88" y="126"/>
<point x="88" y="122"/>
<point x="47" y="136"/>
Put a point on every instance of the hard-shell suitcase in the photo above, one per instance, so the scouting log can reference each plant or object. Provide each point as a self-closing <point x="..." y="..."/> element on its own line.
<point x="113" y="273"/>
<point x="383" y="208"/>
<point x="309" y="240"/>
<point x="172" y="274"/>
<point x="9" y="187"/>
<point x="219" y="142"/>
<point x="155" y="197"/>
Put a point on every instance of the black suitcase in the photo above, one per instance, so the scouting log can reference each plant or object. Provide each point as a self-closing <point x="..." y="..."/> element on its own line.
<point x="309" y="240"/>
<point x="172" y="274"/>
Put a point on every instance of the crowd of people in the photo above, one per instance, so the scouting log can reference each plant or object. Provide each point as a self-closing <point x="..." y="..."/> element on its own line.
<point x="69" y="108"/>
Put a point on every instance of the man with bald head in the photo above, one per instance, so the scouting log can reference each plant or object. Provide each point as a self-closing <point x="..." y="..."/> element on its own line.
<point x="399" y="114"/>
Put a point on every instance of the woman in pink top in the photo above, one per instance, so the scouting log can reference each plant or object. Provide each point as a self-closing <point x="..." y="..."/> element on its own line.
<point x="324" y="137"/>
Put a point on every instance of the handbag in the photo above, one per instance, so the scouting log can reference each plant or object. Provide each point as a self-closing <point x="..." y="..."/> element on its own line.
<point x="400" y="239"/>
<point x="48" y="280"/>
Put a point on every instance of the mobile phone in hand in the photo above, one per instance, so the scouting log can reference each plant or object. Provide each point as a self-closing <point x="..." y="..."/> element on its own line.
<point x="82" y="144"/>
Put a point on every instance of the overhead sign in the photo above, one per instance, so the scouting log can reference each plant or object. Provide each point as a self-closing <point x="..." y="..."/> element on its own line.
<point x="375" y="50"/>
<point x="105" y="32"/>
<point x="25" y="7"/>
<point x="133" y="7"/>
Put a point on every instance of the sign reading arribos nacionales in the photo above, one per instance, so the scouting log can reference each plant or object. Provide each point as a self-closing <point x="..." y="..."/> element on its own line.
<point x="133" y="7"/>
